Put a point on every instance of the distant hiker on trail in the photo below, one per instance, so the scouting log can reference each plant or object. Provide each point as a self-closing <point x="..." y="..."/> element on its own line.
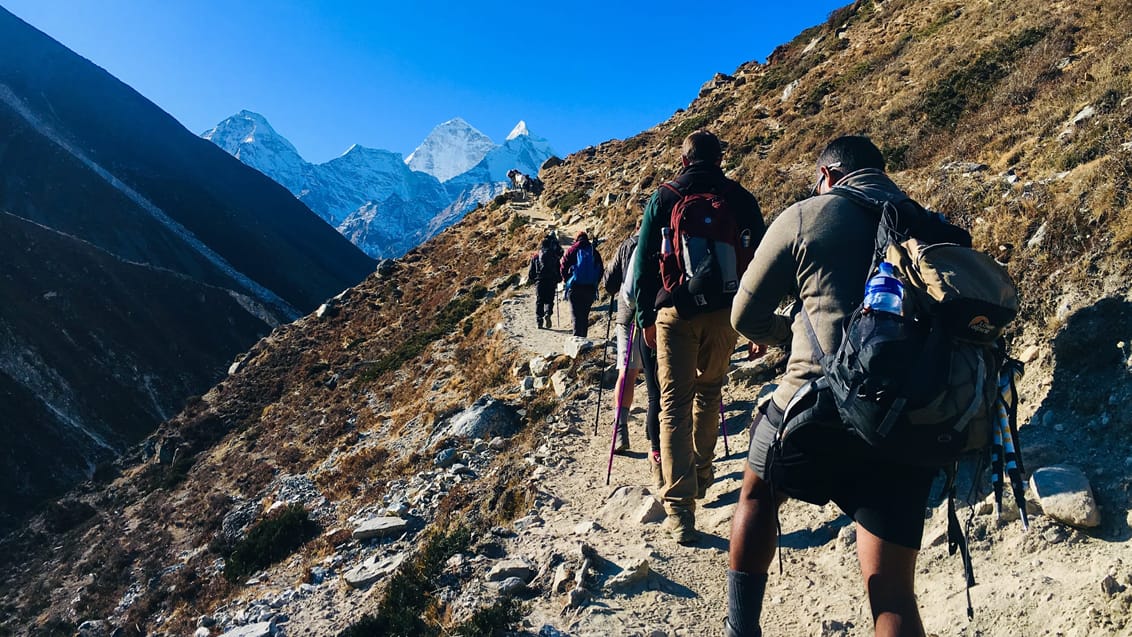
<point x="544" y="273"/>
<point x="698" y="233"/>
<point x="581" y="268"/>
<point x="820" y="250"/>
<point x="618" y="283"/>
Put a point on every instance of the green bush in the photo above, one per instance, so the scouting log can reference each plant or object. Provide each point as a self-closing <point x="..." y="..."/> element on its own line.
<point x="409" y="594"/>
<point x="518" y="222"/>
<point x="966" y="88"/>
<point x="698" y="121"/>
<point x="568" y="201"/>
<point x="270" y="541"/>
<point x="446" y="320"/>
<point x="493" y="621"/>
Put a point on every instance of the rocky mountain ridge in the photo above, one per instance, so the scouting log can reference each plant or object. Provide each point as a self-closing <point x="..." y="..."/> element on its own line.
<point x="382" y="203"/>
<point x="139" y="260"/>
<point x="350" y="411"/>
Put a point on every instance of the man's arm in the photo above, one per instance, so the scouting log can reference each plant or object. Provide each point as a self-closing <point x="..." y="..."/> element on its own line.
<point x="615" y="275"/>
<point x="646" y="267"/>
<point x="768" y="280"/>
<point x="566" y="263"/>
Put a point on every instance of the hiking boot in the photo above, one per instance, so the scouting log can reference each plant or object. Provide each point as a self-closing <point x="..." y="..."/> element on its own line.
<point x="657" y="472"/>
<point x="622" y="438"/>
<point x="730" y="631"/>
<point x="681" y="525"/>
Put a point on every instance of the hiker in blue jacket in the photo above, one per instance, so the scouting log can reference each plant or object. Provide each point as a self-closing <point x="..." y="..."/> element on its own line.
<point x="581" y="268"/>
<point x="819" y="251"/>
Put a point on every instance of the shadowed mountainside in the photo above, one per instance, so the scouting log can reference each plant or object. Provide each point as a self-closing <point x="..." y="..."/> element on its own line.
<point x="147" y="259"/>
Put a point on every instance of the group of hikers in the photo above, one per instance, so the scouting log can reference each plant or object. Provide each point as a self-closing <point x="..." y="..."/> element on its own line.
<point x="704" y="269"/>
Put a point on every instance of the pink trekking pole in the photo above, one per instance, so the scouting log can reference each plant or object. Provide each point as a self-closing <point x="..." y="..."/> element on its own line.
<point x="723" y="428"/>
<point x="620" y="398"/>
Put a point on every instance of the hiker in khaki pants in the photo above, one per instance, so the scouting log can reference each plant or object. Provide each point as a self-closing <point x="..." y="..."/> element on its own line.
<point x="692" y="357"/>
<point x="686" y="316"/>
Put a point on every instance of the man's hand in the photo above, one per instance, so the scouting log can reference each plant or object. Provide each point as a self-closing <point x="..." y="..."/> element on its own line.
<point x="650" y="336"/>
<point x="756" y="351"/>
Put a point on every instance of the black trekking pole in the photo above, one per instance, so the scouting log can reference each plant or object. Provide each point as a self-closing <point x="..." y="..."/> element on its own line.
<point x="601" y="374"/>
<point x="620" y="401"/>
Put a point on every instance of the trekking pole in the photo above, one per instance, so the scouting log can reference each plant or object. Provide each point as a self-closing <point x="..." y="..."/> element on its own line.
<point x="723" y="427"/>
<point x="620" y="398"/>
<point x="601" y="376"/>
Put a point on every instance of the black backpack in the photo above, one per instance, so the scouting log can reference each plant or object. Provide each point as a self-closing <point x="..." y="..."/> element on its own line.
<point x="549" y="255"/>
<point x="923" y="388"/>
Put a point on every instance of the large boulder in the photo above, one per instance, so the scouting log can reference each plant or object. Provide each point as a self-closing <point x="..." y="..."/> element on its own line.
<point x="1066" y="495"/>
<point x="380" y="527"/>
<point x="486" y="418"/>
<point x="631" y="506"/>
<point x="373" y="569"/>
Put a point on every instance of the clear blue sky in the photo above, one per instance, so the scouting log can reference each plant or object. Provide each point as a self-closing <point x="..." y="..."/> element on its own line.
<point x="328" y="74"/>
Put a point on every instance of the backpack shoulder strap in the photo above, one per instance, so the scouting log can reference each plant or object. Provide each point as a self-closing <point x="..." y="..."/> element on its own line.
<point x="673" y="187"/>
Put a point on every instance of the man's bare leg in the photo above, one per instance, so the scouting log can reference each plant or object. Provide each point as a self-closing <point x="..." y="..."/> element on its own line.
<point x="889" y="573"/>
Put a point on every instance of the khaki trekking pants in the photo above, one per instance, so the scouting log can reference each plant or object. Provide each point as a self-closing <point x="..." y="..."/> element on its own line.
<point x="693" y="356"/>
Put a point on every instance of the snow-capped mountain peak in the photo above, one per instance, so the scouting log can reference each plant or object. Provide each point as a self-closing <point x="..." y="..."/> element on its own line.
<point x="252" y="140"/>
<point x="384" y="203"/>
<point x="519" y="130"/>
<point x="450" y="149"/>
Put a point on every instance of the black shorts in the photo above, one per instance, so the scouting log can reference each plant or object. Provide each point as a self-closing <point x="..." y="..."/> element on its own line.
<point x="826" y="461"/>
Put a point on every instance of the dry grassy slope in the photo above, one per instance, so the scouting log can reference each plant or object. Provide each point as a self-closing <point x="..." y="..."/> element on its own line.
<point x="1016" y="74"/>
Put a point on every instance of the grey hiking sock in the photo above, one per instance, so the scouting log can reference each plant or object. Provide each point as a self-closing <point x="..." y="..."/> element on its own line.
<point x="744" y="603"/>
<point x="623" y="415"/>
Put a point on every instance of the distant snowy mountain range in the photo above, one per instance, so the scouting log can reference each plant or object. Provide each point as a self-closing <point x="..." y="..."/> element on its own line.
<point x="384" y="204"/>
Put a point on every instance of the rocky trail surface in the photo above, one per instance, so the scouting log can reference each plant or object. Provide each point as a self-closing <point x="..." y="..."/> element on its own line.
<point x="607" y="568"/>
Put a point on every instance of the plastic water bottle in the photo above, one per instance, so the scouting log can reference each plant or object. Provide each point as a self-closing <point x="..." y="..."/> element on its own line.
<point x="666" y="241"/>
<point x="884" y="292"/>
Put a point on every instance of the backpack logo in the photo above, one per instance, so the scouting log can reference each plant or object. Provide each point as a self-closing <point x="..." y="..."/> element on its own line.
<point x="709" y="253"/>
<point x="981" y="325"/>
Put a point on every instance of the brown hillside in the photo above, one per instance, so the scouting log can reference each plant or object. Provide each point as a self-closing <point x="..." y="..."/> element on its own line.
<point x="1013" y="118"/>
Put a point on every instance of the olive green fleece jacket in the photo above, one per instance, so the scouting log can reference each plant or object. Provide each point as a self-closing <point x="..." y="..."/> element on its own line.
<point x="819" y="251"/>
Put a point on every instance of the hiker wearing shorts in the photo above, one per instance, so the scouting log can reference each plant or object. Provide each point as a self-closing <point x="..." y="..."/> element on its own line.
<point x="693" y="345"/>
<point x="641" y="358"/>
<point x="819" y="250"/>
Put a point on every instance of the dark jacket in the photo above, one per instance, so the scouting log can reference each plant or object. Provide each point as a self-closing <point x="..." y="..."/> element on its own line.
<point x="570" y="259"/>
<point x="615" y="277"/>
<point x="818" y="250"/>
<point x="537" y="271"/>
<point x="696" y="178"/>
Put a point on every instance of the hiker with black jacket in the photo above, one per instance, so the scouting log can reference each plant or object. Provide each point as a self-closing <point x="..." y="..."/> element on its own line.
<point x="820" y="250"/>
<point x="581" y="268"/>
<point x="544" y="273"/>
<point x="618" y="281"/>
<point x="691" y="331"/>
